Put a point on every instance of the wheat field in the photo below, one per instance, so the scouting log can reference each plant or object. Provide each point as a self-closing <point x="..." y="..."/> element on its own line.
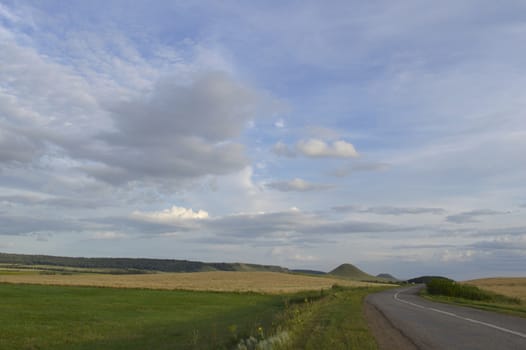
<point x="261" y="282"/>
<point x="512" y="286"/>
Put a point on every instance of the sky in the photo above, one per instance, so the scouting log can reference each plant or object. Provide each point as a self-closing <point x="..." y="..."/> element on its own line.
<point x="306" y="134"/>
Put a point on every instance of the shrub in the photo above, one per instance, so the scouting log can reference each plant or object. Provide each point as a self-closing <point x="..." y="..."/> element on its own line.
<point x="456" y="290"/>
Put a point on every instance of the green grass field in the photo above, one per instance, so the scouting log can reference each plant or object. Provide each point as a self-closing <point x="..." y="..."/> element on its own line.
<point x="49" y="317"/>
<point x="54" y="317"/>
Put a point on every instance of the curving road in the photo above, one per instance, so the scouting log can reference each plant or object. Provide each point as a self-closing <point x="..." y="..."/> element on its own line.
<point x="430" y="325"/>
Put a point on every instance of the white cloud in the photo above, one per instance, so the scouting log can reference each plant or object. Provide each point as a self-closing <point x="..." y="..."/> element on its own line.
<point x="173" y="214"/>
<point x="316" y="148"/>
<point x="280" y="124"/>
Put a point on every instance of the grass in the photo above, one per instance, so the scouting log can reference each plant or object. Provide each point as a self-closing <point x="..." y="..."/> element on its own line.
<point x="65" y="317"/>
<point x="54" y="317"/>
<point x="11" y="272"/>
<point x="54" y="269"/>
<point x="514" y="287"/>
<point x="262" y="282"/>
<point x="465" y="291"/>
<point x="334" y="322"/>
<point x="473" y="296"/>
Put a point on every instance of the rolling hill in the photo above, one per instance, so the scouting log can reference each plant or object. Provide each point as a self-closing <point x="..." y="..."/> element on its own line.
<point x="350" y="271"/>
<point x="387" y="277"/>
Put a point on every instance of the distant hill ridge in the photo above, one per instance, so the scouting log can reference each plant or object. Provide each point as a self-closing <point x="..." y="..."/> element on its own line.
<point x="143" y="264"/>
<point x="309" y="272"/>
<point x="388" y="277"/>
<point x="148" y="265"/>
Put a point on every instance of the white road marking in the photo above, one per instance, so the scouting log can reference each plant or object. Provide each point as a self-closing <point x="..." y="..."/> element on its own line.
<point x="519" y="334"/>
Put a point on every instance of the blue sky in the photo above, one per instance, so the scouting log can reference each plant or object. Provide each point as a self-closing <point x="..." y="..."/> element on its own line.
<point x="300" y="133"/>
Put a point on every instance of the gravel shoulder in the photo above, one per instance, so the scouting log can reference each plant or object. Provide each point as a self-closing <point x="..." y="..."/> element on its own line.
<point x="387" y="336"/>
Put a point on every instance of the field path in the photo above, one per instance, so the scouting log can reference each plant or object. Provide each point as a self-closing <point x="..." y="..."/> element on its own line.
<point x="430" y="325"/>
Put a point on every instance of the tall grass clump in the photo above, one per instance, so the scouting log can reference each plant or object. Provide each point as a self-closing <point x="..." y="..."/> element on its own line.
<point x="448" y="288"/>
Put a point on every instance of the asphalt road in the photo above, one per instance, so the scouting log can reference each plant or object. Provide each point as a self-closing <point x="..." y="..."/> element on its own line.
<point x="430" y="325"/>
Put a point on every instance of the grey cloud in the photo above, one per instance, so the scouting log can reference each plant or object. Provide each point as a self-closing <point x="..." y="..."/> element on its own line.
<point x="214" y="107"/>
<point x="138" y="226"/>
<point x="20" y="199"/>
<point x="349" y="227"/>
<point x="20" y="225"/>
<point x="283" y="150"/>
<point x="510" y="231"/>
<point x="53" y="201"/>
<point x="295" y="240"/>
<point x="183" y="159"/>
<point x="16" y="146"/>
<point x="296" y="223"/>
<point x="268" y="224"/>
<point x="346" y="208"/>
<point x="512" y="244"/>
<point x="289" y="225"/>
<point x="388" y="210"/>
<point x="178" y="132"/>
<point x="472" y="216"/>
<point x="403" y="211"/>
<point x="359" y="167"/>
<point x="297" y="185"/>
<point x="478" y="232"/>
<point x="424" y="246"/>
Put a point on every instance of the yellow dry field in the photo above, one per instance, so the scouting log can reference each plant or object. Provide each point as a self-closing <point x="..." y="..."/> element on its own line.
<point x="263" y="282"/>
<point x="512" y="286"/>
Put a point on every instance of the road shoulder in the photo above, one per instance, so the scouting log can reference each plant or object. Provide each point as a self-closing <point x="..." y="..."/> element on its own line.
<point x="387" y="336"/>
